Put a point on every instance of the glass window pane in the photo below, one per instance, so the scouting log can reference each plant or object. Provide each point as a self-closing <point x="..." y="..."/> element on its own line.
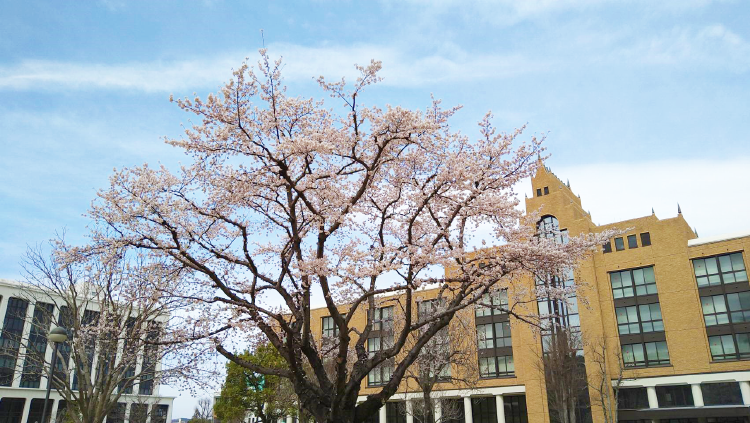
<point x="638" y="352"/>
<point x="725" y="263"/>
<point x="645" y="311"/>
<point x="632" y="242"/>
<point x="729" y="278"/>
<point x="728" y="343"/>
<point x="616" y="280"/>
<point x="630" y="314"/>
<point x="627" y="280"/>
<point x="627" y="292"/>
<point x="699" y="266"/>
<point x="711" y="266"/>
<point x="638" y="276"/>
<point x="719" y="304"/>
<point x="737" y="262"/>
<point x="714" y="343"/>
<point x="648" y="275"/>
<point x="743" y="343"/>
<point x="703" y="281"/>
<point x="741" y="276"/>
<point x="708" y="305"/>
<point x="733" y="301"/>
<point x="622" y="314"/>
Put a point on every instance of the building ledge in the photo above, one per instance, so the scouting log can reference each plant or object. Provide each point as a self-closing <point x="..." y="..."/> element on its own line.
<point x="713" y="239"/>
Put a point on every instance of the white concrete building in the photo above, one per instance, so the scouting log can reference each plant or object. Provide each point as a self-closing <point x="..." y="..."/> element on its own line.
<point x="22" y="398"/>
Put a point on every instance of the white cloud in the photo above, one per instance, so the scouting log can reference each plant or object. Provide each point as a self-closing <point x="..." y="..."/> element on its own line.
<point x="507" y="12"/>
<point x="300" y="63"/>
<point x="707" y="191"/>
<point x="712" y="47"/>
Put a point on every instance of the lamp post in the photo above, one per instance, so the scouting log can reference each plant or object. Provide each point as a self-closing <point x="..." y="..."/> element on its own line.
<point x="57" y="335"/>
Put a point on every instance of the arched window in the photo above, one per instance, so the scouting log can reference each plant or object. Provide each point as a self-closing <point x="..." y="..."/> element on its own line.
<point x="549" y="227"/>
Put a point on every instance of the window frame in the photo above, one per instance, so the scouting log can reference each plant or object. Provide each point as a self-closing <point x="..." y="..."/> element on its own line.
<point x="646" y="361"/>
<point x="701" y="270"/>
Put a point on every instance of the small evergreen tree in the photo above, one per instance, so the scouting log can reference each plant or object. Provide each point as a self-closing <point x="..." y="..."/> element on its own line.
<point x="266" y="397"/>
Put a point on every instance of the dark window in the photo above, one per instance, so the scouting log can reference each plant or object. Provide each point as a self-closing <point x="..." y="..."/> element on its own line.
<point x="632" y="241"/>
<point x="62" y="408"/>
<point x="646" y="354"/>
<point x="452" y="410"/>
<point x="546" y="190"/>
<point x="538" y="192"/>
<point x="725" y="393"/>
<point x="627" y="283"/>
<point x="607" y="247"/>
<point x="37" y="346"/>
<point x="642" y="318"/>
<point x="64" y="320"/>
<point x="159" y="413"/>
<point x="373" y="418"/>
<point x="138" y="413"/>
<point x="11" y="409"/>
<point x="645" y="239"/>
<point x="10" y="340"/>
<point x="35" y="410"/>
<point x="483" y="410"/>
<point x="729" y="347"/>
<point x="381" y="374"/>
<point x="619" y="244"/>
<point x="395" y="412"/>
<point x="493" y="335"/>
<point x="727" y="268"/>
<point x="632" y="398"/>
<point x="126" y="384"/>
<point x="490" y="367"/>
<point x="90" y="318"/>
<point x="383" y="319"/>
<point x="515" y="409"/>
<point x="117" y="415"/>
<point x="674" y="396"/>
<point x="330" y="328"/>
<point x="150" y="358"/>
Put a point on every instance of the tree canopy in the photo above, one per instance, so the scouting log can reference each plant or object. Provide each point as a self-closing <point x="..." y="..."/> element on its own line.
<point x="286" y="200"/>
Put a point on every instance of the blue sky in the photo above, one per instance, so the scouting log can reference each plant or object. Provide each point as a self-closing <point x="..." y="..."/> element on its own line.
<point x="645" y="104"/>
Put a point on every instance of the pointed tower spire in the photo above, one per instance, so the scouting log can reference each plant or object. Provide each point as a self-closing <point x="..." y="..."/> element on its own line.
<point x="679" y="210"/>
<point x="567" y="182"/>
<point x="652" y="210"/>
<point x="695" y="231"/>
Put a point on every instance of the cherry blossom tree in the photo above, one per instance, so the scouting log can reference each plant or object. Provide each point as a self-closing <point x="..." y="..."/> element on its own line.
<point x="287" y="201"/>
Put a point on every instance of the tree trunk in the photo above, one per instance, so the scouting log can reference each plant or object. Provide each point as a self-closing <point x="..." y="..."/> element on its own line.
<point x="429" y="412"/>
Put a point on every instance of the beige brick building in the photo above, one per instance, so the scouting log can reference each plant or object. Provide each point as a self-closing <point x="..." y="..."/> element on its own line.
<point x="668" y="308"/>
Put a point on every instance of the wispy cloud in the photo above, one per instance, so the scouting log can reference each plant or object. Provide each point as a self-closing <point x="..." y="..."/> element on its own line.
<point x="508" y="12"/>
<point x="713" y="47"/>
<point x="301" y="63"/>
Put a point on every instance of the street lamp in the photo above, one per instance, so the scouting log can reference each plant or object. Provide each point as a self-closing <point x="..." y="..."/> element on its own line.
<point x="57" y="335"/>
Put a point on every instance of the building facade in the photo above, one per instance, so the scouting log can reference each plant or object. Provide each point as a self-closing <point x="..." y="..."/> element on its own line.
<point x="659" y="313"/>
<point x="22" y="391"/>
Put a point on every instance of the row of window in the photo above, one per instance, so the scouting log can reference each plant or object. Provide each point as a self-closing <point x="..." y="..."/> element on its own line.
<point x="632" y="242"/>
<point x="10" y="341"/>
<point x="717" y="393"/>
<point x="11" y="410"/>
<point x="726" y="308"/>
<point x="483" y="410"/>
